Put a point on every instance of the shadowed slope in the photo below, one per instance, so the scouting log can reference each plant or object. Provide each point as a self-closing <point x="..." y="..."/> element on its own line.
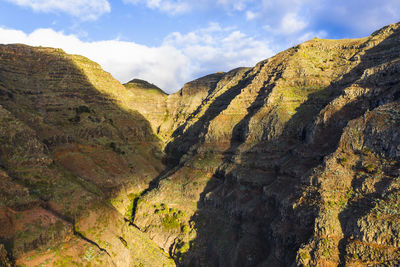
<point x="292" y="162"/>
<point x="243" y="187"/>
<point x="70" y="147"/>
<point x="261" y="210"/>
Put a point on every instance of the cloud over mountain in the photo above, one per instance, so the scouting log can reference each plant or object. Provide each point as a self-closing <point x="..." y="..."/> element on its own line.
<point x="181" y="57"/>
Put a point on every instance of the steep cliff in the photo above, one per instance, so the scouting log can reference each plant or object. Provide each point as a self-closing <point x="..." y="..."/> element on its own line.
<point x="294" y="161"/>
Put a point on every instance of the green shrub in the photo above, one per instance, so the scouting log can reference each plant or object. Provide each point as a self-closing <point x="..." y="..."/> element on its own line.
<point x="170" y="222"/>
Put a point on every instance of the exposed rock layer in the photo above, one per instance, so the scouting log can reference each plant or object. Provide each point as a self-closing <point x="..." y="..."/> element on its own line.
<point x="292" y="162"/>
<point x="71" y="147"/>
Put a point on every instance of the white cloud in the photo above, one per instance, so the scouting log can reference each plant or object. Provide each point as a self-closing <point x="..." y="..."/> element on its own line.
<point x="181" y="57"/>
<point x="165" y="65"/>
<point x="291" y="23"/>
<point x="83" y="9"/>
<point x="251" y="15"/>
<point x="239" y="5"/>
<point x="219" y="49"/>
<point x="172" y="7"/>
<point x="356" y="15"/>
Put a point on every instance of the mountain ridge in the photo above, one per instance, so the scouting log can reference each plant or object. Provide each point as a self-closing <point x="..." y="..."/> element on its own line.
<point x="291" y="108"/>
<point x="292" y="162"/>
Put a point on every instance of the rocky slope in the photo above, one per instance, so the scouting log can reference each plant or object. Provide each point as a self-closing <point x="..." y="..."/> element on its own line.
<point x="168" y="112"/>
<point x="292" y="162"/>
<point x="73" y="155"/>
<point x="149" y="99"/>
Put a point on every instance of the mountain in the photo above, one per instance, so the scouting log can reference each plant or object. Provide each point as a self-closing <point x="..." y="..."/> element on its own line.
<point x="71" y="148"/>
<point x="295" y="161"/>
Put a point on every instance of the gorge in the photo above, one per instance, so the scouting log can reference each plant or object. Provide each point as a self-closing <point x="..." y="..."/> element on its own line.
<point x="292" y="162"/>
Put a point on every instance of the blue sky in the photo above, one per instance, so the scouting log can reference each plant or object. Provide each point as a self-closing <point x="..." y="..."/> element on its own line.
<point x="170" y="42"/>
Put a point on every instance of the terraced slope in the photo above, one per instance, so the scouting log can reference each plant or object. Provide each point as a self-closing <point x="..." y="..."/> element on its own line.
<point x="73" y="155"/>
<point x="294" y="161"/>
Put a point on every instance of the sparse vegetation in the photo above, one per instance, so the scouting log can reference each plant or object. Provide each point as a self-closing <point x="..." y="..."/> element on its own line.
<point x="262" y="160"/>
<point x="89" y="254"/>
<point x="170" y="221"/>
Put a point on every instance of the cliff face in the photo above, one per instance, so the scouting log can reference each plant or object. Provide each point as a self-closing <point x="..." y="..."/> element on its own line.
<point x="72" y="154"/>
<point x="168" y="112"/>
<point x="292" y="162"/>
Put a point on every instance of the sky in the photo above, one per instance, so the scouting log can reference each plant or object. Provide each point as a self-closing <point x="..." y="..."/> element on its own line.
<point x="171" y="42"/>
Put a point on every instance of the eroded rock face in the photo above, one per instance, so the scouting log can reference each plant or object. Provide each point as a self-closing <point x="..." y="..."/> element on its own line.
<point x="73" y="154"/>
<point x="150" y="100"/>
<point x="292" y="162"/>
<point x="168" y="112"/>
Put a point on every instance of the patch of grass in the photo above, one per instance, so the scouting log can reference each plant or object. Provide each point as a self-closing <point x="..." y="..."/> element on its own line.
<point x="327" y="253"/>
<point x="133" y="198"/>
<point x="44" y="263"/>
<point x="293" y="97"/>
<point x="181" y="249"/>
<point x="304" y="256"/>
<point x="206" y="161"/>
<point x="115" y="202"/>
<point x="170" y="217"/>
<point x="170" y="222"/>
<point x="65" y="261"/>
